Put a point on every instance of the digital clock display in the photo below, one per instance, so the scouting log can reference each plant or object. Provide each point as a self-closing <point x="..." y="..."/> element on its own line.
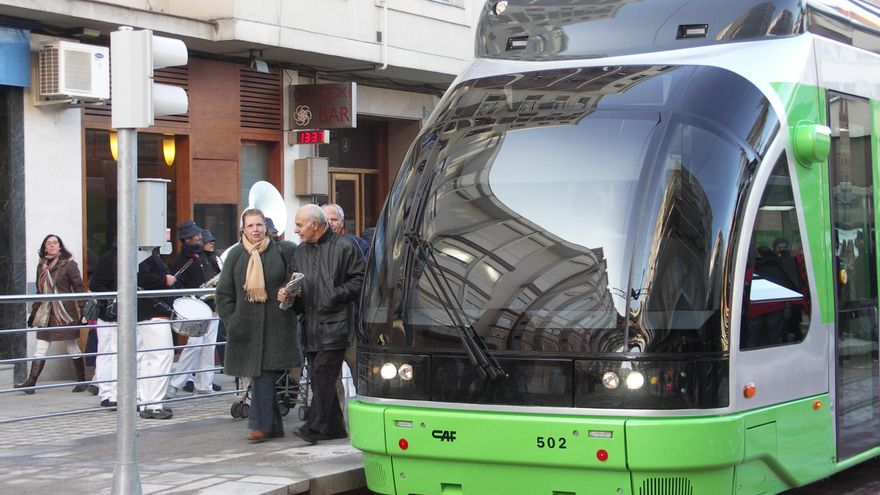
<point x="312" y="137"/>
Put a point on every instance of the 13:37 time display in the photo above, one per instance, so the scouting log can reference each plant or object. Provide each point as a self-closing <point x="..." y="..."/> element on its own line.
<point x="312" y="137"/>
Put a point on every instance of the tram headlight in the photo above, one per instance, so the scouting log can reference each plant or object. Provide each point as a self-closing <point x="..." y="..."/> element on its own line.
<point x="405" y="372"/>
<point x="394" y="375"/>
<point x="610" y="380"/>
<point x="635" y="380"/>
<point x="388" y="371"/>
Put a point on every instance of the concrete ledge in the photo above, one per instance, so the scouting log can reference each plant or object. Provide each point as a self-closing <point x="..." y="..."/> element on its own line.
<point x="338" y="482"/>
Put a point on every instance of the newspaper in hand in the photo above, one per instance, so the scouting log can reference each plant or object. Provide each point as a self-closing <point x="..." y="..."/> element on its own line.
<point x="292" y="288"/>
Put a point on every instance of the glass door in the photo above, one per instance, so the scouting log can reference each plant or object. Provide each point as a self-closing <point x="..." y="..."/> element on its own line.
<point x="855" y="277"/>
<point x="345" y="190"/>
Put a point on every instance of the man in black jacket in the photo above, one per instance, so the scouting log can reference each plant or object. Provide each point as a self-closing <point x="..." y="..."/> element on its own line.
<point x="334" y="270"/>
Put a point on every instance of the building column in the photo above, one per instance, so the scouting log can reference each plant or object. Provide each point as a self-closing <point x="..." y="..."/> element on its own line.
<point x="12" y="225"/>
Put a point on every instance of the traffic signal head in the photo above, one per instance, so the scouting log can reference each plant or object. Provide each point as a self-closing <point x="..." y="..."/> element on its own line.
<point x="135" y="97"/>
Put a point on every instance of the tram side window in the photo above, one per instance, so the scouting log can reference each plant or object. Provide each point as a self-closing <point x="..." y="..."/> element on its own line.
<point x="776" y="295"/>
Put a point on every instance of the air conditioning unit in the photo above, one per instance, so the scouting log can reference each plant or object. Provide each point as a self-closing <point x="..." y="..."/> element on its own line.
<point x="74" y="71"/>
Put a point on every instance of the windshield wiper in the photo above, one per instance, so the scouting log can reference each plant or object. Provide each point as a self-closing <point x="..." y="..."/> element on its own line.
<point x="476" y="349"/>
<point x="421" y="254"/>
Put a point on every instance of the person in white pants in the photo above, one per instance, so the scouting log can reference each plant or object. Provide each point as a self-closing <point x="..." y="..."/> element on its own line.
<point x="104" y="280"/>
<point x="154" y="339"/>
<point x="197" y="358"/>
<point x="154" y="333"/>
<point x="105" y="365"/>
<point x="196" y="266"/>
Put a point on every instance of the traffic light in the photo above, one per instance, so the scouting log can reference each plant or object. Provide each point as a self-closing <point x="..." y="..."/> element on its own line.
<point x="136" y="98"/>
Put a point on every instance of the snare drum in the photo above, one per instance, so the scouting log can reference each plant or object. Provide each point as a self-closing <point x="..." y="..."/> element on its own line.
<point x="196" y="313"/>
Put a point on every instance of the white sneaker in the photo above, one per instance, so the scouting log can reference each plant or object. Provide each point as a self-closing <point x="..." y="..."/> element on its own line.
<point x="171" y="393"/>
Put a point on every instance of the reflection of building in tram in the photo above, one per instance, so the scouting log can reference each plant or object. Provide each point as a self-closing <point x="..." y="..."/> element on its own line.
<point x="523" y="287"/>
<point x="852" y="194"/>
<point x="545" y="27"/>
<point x="760" y="20"/>
<point x="576" y="297"/>
<point x="520" y="286"/>
<point x="526" y="288"/>
<point x="683" y="237"/>
<point x="575" y="93"/>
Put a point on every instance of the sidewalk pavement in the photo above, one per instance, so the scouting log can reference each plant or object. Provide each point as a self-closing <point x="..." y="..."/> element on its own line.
<point x="201" y="450"/>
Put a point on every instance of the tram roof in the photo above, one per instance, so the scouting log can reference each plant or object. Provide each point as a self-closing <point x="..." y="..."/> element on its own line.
<point x="577" y="29"/>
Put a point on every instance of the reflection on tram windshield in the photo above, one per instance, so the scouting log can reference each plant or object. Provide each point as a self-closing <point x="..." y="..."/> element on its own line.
<point x="571" y="211"/>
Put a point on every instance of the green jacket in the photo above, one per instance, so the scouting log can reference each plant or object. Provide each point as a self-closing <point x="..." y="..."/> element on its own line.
<point x="259" y="336"/>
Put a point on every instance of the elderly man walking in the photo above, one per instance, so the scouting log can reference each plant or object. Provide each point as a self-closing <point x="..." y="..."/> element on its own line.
<point x="334" y="271"/>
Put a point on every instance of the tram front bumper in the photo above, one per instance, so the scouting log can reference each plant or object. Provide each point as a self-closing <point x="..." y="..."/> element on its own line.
<point x="444" y="452"/>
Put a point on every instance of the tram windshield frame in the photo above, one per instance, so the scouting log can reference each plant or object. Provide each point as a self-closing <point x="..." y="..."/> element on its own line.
<point x="568" y="221"/>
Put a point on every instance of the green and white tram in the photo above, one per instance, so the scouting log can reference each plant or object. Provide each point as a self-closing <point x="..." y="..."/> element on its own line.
<point x="633" y="251"/>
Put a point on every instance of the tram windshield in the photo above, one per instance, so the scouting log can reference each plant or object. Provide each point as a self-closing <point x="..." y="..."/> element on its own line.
<point x="577" y="214"/>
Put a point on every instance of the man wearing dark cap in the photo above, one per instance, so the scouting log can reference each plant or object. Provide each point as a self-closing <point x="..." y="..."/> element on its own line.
<point x="195" y="268"/>
<point x="271" y="230"/>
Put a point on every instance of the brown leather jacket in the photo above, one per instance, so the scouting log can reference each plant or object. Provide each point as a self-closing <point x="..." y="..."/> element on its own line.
<point x="67" y="279"/>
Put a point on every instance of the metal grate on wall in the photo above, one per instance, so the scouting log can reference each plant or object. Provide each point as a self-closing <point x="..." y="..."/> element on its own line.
<point x="666" y="486"/>
<point x="49" y="77"/>
<point x="260" y="95"/>
<point x="172" y="76"/>
<point x="375" y="472"/>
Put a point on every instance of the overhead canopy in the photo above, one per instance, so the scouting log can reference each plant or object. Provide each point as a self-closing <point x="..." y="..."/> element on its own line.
<point x="15" y="63"/>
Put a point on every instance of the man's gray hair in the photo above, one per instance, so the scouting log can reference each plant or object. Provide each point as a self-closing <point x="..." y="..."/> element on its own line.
<point x="314" y="212"/>
<point x="339" y="210"/>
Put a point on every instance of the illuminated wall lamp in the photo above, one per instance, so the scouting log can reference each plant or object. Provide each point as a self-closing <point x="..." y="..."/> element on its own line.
<point x="114" y="146"/>
<point x="169" y="148"/>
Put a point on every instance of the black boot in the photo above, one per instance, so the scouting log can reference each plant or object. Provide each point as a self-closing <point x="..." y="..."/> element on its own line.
<point x="80" y="366"/>
<point x="36" y="369"/>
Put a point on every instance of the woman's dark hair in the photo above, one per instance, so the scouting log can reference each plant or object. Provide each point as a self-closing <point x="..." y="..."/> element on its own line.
<point x="64" y="254"/>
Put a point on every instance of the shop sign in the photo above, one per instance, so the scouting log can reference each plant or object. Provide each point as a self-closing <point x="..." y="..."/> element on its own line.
<point x="323" y="106"/>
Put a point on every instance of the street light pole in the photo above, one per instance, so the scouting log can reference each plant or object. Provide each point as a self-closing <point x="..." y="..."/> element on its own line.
<point x="126" y="476"/>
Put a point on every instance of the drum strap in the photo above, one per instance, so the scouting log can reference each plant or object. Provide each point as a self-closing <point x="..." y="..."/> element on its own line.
<point x="162" y="305"/>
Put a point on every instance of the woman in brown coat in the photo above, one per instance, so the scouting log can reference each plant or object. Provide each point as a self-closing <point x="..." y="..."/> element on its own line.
<point x="56" y="272"/>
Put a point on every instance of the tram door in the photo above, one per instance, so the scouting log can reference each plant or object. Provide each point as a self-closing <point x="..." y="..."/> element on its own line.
<point x="855" y="277"/>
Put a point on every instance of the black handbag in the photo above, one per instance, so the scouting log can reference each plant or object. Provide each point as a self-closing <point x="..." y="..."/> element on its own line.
<point x="91" y="310"/>
<point x="109" y="310"/>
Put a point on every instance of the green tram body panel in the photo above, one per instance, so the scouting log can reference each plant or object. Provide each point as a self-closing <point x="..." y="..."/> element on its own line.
<point x="483" y="453"/>
<point x="807" y="104"/>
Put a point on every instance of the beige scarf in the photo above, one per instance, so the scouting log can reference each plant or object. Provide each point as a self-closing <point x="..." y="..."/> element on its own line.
<point x="255" y="281"/>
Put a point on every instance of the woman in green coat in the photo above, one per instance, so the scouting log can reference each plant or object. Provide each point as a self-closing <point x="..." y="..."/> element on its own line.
<point x="262" y="340"/>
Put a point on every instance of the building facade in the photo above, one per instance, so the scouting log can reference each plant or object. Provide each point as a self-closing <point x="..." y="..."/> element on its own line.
<point x="246" y="59"/>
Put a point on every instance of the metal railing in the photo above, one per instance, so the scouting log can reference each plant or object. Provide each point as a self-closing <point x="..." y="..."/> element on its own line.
<point x="81" y="296"/>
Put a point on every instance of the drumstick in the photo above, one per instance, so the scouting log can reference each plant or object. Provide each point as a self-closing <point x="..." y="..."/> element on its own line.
<point x="184" y="267"/>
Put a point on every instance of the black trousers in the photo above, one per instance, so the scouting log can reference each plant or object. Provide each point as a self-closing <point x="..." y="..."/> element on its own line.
<point x="265" y="414"/>
<point x="325" y="413"/>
